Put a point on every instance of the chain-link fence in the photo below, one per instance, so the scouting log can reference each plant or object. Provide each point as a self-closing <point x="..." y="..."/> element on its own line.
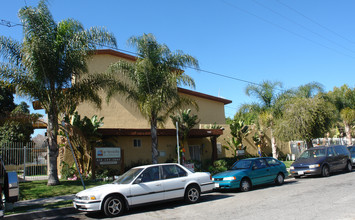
<point x="27" y="159"/>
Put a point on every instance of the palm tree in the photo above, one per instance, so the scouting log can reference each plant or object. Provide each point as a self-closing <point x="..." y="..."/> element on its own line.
<point x="50" y="66"/>
<point x="308" y="90"/>
<point x="185" y="123"/>
<point x="151" y="82"/>
<point x="268" y="108"/>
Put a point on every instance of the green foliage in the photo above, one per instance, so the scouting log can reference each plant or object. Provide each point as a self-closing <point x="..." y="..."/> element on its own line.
<point x="68" y="171"/>
<point x="84" y="136"/>
<point x="305" y="119"/>
<point x="17" y="127"/>
<point x="218" y="167"/>
<point x="107" y="172"/>
<point x="50" y="65"/>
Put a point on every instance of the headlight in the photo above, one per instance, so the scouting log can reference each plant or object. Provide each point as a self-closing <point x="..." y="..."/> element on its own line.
<point x="88" y="197"/>
<point x="292" y="167"/>
<point x="229" y="178"/>
<point x="212" y="179"/>
<point x="313" y="166"/>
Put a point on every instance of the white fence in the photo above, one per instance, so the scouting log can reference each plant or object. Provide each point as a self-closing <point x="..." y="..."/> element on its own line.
<point x="27" y="159"/>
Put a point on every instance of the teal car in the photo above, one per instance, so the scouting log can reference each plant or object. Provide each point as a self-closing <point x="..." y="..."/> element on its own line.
<point x="244" y="174"/>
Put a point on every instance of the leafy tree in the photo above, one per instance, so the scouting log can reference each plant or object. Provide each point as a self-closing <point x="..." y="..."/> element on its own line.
<point x="344" y="100"/>
<point x="151" y="82"/>
<point x="305" y="119"/>
<point x="7" y="103"/>
<point x="268" y="108"/>
<point x="186" y="122"/>
<point x="18" y="126"/>
<point x="50" y="65"/>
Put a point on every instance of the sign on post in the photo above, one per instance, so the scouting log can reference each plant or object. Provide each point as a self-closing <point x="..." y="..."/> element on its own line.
<point x="108" y="155"/>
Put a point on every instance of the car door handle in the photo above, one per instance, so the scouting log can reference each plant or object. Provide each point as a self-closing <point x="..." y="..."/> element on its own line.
<point x="183" y="180"/>
<point x="158" y="184"/>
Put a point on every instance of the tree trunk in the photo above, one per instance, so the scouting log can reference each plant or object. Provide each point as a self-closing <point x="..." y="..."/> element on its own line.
<point x="52" y="133"/>
<point x="214" y="149"/>
<point x="348" y="133"/>
<point x="273" y="145"/>
<point x="153" y="131"/>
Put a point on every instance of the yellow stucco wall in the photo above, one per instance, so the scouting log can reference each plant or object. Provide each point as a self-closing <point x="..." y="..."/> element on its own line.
<point x="119" y="113"/>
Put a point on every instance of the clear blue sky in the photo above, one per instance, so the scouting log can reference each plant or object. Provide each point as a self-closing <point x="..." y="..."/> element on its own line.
<point x="295" y="42"/>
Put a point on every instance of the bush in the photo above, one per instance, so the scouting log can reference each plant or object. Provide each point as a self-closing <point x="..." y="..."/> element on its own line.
<point x="68" y="171"/>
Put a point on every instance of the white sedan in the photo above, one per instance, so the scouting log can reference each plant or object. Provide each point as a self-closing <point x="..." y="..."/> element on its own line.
<point x="142" y="185"/>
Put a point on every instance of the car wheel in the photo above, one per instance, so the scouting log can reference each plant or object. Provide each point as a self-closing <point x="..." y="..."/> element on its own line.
<point x="279" y="179"/>
<point x="325" y="171"/>
<point x="113" y="206"/>
<point x="192" y="194"/>
<point x="245" y="185"/>
<point x="348" y="167"/>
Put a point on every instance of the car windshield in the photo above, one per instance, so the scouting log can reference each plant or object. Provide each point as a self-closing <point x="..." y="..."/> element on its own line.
<point x="312" y="153"/>
<point x="242" y="164"/>
<point x="128" y="176"/>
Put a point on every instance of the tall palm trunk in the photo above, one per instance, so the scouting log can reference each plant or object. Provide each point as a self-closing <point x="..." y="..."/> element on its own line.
<point x="52" y="130"/>
<point x="273" y="145"/>
<point x="214" y="155"/>
<point x="348" y="133"/>
<point x="154" y="135"/>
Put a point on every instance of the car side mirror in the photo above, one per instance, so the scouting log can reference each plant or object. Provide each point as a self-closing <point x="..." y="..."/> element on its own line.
<point x="330" y="155"/>
<point x="138" y="181"/>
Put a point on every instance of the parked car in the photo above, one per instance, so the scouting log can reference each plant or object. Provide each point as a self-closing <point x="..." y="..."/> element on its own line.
<point x="250" y="172"/>
<point x="322" y="161"/>
<point x="142" y="185"/>
<point x="352" y="152"/>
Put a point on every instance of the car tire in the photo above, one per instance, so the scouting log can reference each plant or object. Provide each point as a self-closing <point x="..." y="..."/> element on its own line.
<point x="245" y="185"/>
<point x="348" y="167"/>
<point x="113" y="206"/>
<point x="279" y="179"/>
<point x="192" y="194"/>
<point x="325" y="171"/>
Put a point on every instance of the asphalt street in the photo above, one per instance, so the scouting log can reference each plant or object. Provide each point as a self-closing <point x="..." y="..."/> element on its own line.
<point x="306" y="198"/>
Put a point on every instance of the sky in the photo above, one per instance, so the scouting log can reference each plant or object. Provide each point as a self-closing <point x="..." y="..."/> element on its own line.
<point x="294" y="42"/>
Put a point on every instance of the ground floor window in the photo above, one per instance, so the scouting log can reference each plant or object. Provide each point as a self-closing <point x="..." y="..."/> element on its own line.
<point x="195" y="152"/>
<point x="137" y="143"/>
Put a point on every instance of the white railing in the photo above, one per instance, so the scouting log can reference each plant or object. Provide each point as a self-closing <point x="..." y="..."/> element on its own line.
<point x="28" y="160"/>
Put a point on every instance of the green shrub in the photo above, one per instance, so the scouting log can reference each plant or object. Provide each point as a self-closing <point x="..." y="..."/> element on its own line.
<point x="68" y="171"/>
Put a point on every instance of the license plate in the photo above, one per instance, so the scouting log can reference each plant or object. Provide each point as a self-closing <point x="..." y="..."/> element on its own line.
<point x="216" y="185"/>
<point x="300" y="172"/>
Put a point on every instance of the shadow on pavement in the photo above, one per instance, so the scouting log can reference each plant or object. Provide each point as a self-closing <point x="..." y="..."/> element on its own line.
<point x="161" y="206"/>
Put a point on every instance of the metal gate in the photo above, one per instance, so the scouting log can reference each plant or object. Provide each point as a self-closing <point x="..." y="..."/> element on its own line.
<point x="28" y="160"/>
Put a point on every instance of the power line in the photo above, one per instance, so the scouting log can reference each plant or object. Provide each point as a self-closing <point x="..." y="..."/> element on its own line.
<point x="314" y="22"/>
<point x="285" y="29"/>
<point x="304" y="27"/>
<point x="9" y="23"/>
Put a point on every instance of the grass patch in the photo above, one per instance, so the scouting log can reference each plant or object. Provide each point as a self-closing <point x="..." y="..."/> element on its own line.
<point x="39" y="189"/>
<point x="57" y="205"/>
<point x="288" y="163"/>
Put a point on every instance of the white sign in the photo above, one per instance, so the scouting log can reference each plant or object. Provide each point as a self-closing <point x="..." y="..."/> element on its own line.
<point x="108" y="155"/>
<point x="108" y="152"/>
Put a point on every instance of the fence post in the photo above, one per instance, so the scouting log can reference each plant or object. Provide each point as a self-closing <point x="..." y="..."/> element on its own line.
<point x="24" y="163"/>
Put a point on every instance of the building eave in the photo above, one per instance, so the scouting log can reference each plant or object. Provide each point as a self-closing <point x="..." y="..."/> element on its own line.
<point x="194" y="133"/>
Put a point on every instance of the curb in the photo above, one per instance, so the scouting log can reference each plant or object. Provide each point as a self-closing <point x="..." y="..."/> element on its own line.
<point x="42" y="214"/>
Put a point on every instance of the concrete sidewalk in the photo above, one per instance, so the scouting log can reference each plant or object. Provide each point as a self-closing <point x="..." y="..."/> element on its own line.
<point x="41" y="213"/>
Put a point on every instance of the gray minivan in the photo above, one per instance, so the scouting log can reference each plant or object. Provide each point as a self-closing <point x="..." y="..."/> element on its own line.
<point x="322" y="160"/>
